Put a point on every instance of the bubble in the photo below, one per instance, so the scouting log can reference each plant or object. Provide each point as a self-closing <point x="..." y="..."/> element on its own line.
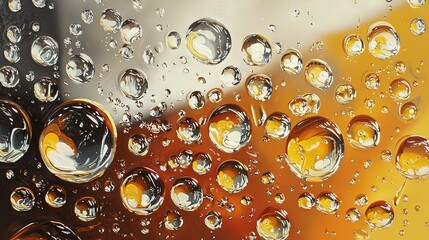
<point x="408" y="111"/>
<point x="22" y="199"/>
<point x="15" y="132"/>
<point x="12" y="53"/>
<point x="417" y="26"/>
<point x="131" y="31"/>
<point x="353" y="45"/>
<point x="142" y="191"/>
<point x="87" y="16"/>
<point x="379" y="214"/>
<point x="9" y="76"/>
<point x="416" y="3"/>
<point x="259" y="87"/>
<point x="372" y="81"/>
<point x="314" y="149"/>
<point x="345" y="93"/>
<point x="306" y="201"/>
<point x="14" y="5"/>
<point x="383" y="41"/>
<point x="277" y="125"/>
<point x="273" y="224"/>
<point x="318" y="74"/>
<point x="173" y="40"/>
<point x="256" y="50"/>
<point x="188" y="130"/>
<point x="213" y="220"/>
<point x="400" y="89"/>
<point x="186" y="194"/>
<point x="291" y="62"/>
<point x="412" y="157"/>
<point x="215" y="95"/>
<point x="363" y="132"/>
<point x="232" y="176"/>
<point x="14" y="34"/>
<point x="353" y="215"/>
<point x="46" y="89"/>
<point x="229" y="128"/>
<point x="327" y="202"/>
<point x="80" y="68"/>
<point x="230" y="76"/>
<point x="78" y="141"/>
<point x="56" y="196"/>
<point x="133" y="83"/>
<point x="208" y="41"/>
<point x="196" y="100"/>
<point x="202" y="163"/>
<point x="87" y="209"/>
<point x="49" y="230"/>
<point x="173" y="220"/>
<point x="138" y="145"/>
<point x="44" y="51"/>
<point x="110" y="20"/>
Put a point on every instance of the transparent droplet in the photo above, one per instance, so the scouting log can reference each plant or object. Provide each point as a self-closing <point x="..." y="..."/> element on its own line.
<point x="416" y="3"/>
<point x="185" y="158"/>
<point x="188" y="130"/>
<point x="208" y="41"/>
<point x="417" y="26"/>
<point x="268" y="178"/>
<point x="361" y="234"/>
<point x="232" y="176"/>
<point x="172" y="220"/>
<point x="230" y="76"/>
<point x="314" y="149"/>
<point x="133" y="83"/>
<point x="186" y="194"/>
<point x="14" y="34"/>
<point x="173" y="40"/>
<point x="15" y="132"/>
<point x="353" y="45"/>
<point x="78" y="141"/>
<point x="110" y="20"/>
<point x="131" y="31"/>
<point x="345" y="93"/>
<point x="14" y="5"/>
<point x="400" y="89"/>
<point x="277" y="125"/>
<point x="353" y="215"/>
<point x="215" y="95"/>
<point x="363" y="132"/>
<point x="229" y="128"/>
<point x="142" y="191"/>
<point x="313" y="102"/>
<point x="408" y="111"/>
<point x="328" y="203"/>
<point x="273" y="225"/>
<point x="291" y="62"/>
<point x="201" y="163"/>
<point x="80" y="68"/>
<point x="306" y="201"/>
<point x="259" y="87"/>
<point x="383" y="41"/>
<point x="138" y="145"/>
<point x="87" y="16"/>
<point x="9" y="76"/>
<point x="318" y="74"/>
<point x="361" y="200"/>
<point x="87" y="209"/>
<point x="372" y="81"/>
<point x="39" y="3"/>
<point x="75" y="29"/>
<point x="412" y="157"/>
<point x="46" y="89"/>
<point x="44" y="51"/>
<point x="379" y="214"/>
<point x="12" y="53"/>
<point x="126" y="51"/>
<point x="56" y="196"/>
<point x="256" y="50"/>
<point x="299" y="106"/>
<point x="45" y="230"/>
<point x="22" y="199"/>
<point x="196" y="100"/>
<point x="213" y="220"/>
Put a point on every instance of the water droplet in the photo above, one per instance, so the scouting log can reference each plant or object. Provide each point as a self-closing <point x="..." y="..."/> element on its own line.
<point x="138" y="145"/>
<point x="45" y="230"/>
<point x="22" y="199"/>
<point x="256" y="50"/>
<point x="56" y="196"/>
<point x="9" y="76"/>
<point x="80" y="68"/>
<point x="230" y="76"/>
<point x="372" y="81"/>
<point x="345" y="93"/>
<point x="173" y="40"/>
<point x="291" y="62"/>
<point x="87" y="16"/>
<point x="110" y="20"/>
<point x="12" y="53"/>
<point x="417" y="26"/>
<point x="133" y="83"/>
<point x="277" y="125"/>
<point x="188" y="130"/>
<point x="215" y="95"/>
<point x="232" y="176"/>
<point x="75" y="29"/>
<point x="131" y="31"/>
<point x="14" y="34"/>
<point x="87" y="209"/>
<point x="202" y="163"/>
<point x="353" y="215"/>
<point x="379" y="214"/>
<point x="268" y="178"/>
<point x="273" y="224"/>
<point x="328" y="203"/>
<point x="259" y="87"/>
<point x="172" y="220"/>
<point x="383" y="41"/>
<point x="416" y="3"/>
<point x="318" y="74"/>
<point x="186" y="194"/>
<point x="400" y="89"/>
<point x="126" y="51"/>
<point x="353" y="45"/>
<point x="44" y="51"/>
<point x="213" y="220"/>
<point x="14" y="5"/>
<point x="408" y="111"/>
<point x="361" y="234"/>
<point x="412" y="157"/>
<point x="306" y="201"/>
<point x="46" y="89"/>
<point x="196" y="100"/>
<point x="363" y="132"/>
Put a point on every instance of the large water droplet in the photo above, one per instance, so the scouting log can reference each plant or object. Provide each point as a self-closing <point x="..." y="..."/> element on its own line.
<point x="273" y="225"/>
<point x="259" y="87"/>
<point x="186" y="194"/>
<point x="256" y="50"/>
<point x="363" y="132"/>
<point x="80" y="68"/>
<point x="383" y="41"/>
<point x="133" y="83"/>
<point x="318" y="74"/>
<point x="22" y="199"/>
<point x="379" y="214"/>
<point x="232" y="176"/>
<point x="412" y="157"/>
<point x="44" y="51"/>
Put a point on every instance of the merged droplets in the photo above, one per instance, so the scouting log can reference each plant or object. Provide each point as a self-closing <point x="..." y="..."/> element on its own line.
<point x="314" y="149"/>
<point x="133" y="83"/>
<point x="412" y="157"/>
<point x="328" y="203"/>
<point x="232" y="176"/>
<point x="400" y="89"/>
<point x="277" y="125"/>
<point x="138" y="145"/>
<point x="417" y="26"/>
<point x="188" y="130"/>
<point x="45" y="51"/>
<point x="363" y="132"/>
<point x="379" y="214"/>
<point x="87" y="209"/>
<point x="259" y="87"/>
<point x="173" y="40"/>
<point x="131" y="31"/>
<point x="345" y="93"/>
<point x="273" y="225"/>
<point x="110" y="20"/>
<point x="305" y="104"/>
<point x="291" y="62"/>
<point x="46" y="89"/>
<point x="318" y="74"/>
<point x="256" y="50"/>
<point x="79" y="141"/>
<point x="353" y="45"/>
<point x="172" y="220"/>
<point x="230" y="76"/>
<point x="229" y="128"/>
<point x="383" y="41"/>
<point x="80" y="68"/>
<point x="22" y="199"/>
<point x="56" y="196"/>
<point x="15" y="132"/>
<point x="186" y="194"/>
<point x="142" y="191"/>
<point x="9" y="76"/>
<point x="213" y="220"/>
<point x="208" y="41"/>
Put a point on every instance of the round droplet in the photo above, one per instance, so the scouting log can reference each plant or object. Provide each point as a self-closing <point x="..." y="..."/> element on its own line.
<point x="215" y="95"/>
<point x="131" y="31"/>
<point x="126" y="51"/>
<point x="186" y="194"/>
<point x="39" y="3"/>
<point x="412" y="157"/>
<point x="14" y="34"/>
<point x="353" y="215"/>
<point x="230" y="76"/>
<point x="277" y="125"/>
<point x="87" y="209"/>
<point x="80" y="68"/>
<point x="44" y="51"/>
<point x="314" y="149"/>
<point x="208" y="41"/>
<point x="110" y="20"/>
<point x="328" y="203"/>
<point x="363" y="132"/>
<point x="361" y="234"/>
<point x="142" y="191"/>
<point x="318" y="74"/>
<point x="173" y="40"/>
<point x="400" y="89"/>
<point x="87" y="16"/>
<point x="383" y="41"/>
<point x="256" y="50"/>
<point x="306" y="201"/>
<point x="418" y="26"/>
<point x="232" y="176"/>
<point x="372" y="81"/>
<point x="22" y="199"/>
<point x="345" y="93"/>
<point x="268" y="178"/>
<point x="229" y="128"/>
<point x="259" y="87"/>
<point x="12" y="53"/>
<point x="185" y="158"/>
<point x="56" y="196"/>
<point x="46" y="89"/>
<point x="15" y="132"/>
<point x="353" y="45"/>
<point x="299" y="106"/>
<point x="379" y="214"/>
<point x="408" y="111"/>
<point x="50" y="230"/>
<point x="133" y="83"/>
<point x="196" y="100"/>
<point x="202" y="163"/>
<point x="291" y="62"/>
<point x="188" y="130"/>
<point x="172" y="220"/>
<point x="9" y="76"/>
<point x="273" y="225"/>
<point x="138" y="145"/>
<point x="75" y="29"/>
<point x="79" y="141"/>
<point x="213" y="220"/>
<point x="14" y="5"/>
<point x="313" y="102"/>
<point x="416" y="3"/>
